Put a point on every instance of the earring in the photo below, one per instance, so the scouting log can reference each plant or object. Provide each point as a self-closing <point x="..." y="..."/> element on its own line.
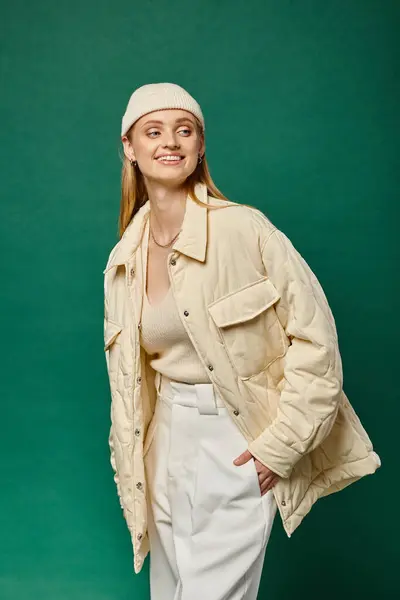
<point x="133" y="163"/>
<point x="200" y="159"/>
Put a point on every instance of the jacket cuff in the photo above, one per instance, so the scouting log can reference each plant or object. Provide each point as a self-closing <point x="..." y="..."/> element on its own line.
<point x="274" y="454"/>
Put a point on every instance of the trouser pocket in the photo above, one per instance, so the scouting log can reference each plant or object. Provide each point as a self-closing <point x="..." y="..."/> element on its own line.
<point x="222" y="490"/>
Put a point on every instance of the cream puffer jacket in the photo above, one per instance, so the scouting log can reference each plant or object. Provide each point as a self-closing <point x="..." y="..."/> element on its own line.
<point x="262" y="327"/>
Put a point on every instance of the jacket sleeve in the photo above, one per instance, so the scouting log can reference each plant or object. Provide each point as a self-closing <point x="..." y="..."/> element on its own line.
<point x="313" y="381"/>
<point x="110" y="436"/>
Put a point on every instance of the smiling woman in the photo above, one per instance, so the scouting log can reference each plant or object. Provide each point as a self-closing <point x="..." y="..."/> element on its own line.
<point x="158" y="140"/>
<point x="150" y="127"/>
<point x="171" y="137"/>
<point x="224" y="367"/>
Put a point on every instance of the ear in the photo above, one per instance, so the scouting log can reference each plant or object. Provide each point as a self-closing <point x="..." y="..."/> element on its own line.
<point x="128" y="150"/>
<point x="202" y="148"/>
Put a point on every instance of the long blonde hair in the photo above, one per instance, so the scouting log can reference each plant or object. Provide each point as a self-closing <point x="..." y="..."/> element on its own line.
<point x="134" y="193"/>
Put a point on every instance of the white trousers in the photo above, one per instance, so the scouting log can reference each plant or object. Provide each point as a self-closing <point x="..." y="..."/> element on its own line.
<point x="208" y="524"/>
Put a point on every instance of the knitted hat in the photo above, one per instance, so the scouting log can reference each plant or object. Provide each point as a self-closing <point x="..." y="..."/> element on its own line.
<point x="158" y="96"/>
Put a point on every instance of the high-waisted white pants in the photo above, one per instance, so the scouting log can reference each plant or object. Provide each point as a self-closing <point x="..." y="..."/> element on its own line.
<point x="208" y="524"/>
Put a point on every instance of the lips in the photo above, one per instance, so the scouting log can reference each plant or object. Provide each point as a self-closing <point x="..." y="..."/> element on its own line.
<point x="170" y="160"/>
<point x="170" y="157"/>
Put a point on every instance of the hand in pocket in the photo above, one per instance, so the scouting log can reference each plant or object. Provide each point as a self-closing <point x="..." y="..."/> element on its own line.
<point x="266" y="478"/>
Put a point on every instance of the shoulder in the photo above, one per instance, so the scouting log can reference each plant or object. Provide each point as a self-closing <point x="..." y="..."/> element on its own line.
<point x="243" y="218"/>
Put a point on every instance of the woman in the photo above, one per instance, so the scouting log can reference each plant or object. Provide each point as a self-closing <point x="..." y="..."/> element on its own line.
<point x="224" y="368"/>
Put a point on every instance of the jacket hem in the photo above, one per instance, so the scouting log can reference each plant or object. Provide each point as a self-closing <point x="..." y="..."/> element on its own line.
<point x="330" y="481"/>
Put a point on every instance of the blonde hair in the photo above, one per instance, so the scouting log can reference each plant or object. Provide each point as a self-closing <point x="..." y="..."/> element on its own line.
<point x="133" y="189"/>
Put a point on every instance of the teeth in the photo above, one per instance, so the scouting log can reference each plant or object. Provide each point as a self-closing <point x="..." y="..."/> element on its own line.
<point x="169" y="158"/>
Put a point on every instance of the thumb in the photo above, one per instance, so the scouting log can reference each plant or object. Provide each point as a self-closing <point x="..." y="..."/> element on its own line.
<point x="243" y="458"/>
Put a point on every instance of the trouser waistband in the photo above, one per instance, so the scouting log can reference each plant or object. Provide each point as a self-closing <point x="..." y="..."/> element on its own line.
<point x="196" y="395"/>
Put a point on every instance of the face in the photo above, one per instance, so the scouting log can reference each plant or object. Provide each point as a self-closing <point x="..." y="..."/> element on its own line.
<point x="166" y="145"/>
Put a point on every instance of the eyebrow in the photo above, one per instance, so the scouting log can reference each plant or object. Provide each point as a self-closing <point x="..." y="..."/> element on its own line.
<point x="180" y="120"/>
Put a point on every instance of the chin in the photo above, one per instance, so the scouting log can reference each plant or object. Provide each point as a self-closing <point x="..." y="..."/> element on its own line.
<point x="174" y="180"/>
<point x="171" y="174"/>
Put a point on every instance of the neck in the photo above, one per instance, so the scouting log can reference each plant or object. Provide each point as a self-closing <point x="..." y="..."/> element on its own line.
<point x="167" y="210"/>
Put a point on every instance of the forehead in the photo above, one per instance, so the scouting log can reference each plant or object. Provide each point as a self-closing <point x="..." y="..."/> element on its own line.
<point x="168" y="116"/>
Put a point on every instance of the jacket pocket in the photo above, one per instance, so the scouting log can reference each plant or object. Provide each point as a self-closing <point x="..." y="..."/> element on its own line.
<point x="111" y="332"/>
<point x="249" y="328"/>
<point x="112" y="346"/>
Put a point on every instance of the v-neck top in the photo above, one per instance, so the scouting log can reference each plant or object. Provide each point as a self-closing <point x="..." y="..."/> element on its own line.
<point x="163" y="335"/>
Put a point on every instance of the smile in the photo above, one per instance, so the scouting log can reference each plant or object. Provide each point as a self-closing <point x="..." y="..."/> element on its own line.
<point x="170" y="159"/>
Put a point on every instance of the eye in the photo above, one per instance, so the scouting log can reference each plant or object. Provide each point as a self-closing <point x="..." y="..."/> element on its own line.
<point x="150" y="133"/>
<point x="186" y="129"/>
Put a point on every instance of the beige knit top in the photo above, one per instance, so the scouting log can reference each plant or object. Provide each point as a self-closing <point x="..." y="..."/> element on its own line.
<point x="164" y="337"/>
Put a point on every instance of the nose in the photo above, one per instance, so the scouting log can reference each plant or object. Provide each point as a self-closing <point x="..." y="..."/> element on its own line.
<point x="171" y="140"/>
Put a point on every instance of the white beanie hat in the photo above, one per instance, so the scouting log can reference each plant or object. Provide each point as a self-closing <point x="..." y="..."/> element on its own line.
<point x="158" y="96"/>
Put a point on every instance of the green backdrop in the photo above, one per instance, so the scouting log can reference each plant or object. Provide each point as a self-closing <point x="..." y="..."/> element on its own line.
<point x="301" y="101"/>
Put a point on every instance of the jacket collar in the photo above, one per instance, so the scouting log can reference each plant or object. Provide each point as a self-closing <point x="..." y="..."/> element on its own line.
<point x="192" y="240"/>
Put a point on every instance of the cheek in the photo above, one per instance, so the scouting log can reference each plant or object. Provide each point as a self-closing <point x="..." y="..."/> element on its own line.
<point x="145" y="148"/>
<point x="191" y="151"/>
<point x="145" y="157"/>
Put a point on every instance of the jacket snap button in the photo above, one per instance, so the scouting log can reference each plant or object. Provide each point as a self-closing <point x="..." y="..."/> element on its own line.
<point x="173" y="262"/>
<point x="139" y="485"/>
<point x="186" y="313"/>
<point x="132" y="272"/>
<point x="137" y="432"/>
<point x="140" y="326"/>
<point x="236" y="413"/>
<point x="210" y="368"/>
<point x="283" y="503"/>
<point x="139" y="536"/>
<point x="139" y="379"/>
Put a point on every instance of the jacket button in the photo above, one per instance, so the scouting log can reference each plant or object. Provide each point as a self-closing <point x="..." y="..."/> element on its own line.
<point x="132" y="272"/>
<point x="186" y="313"/>
<point x="137" y="432"/>
<point x="139" y="537"/>
<point x="283" y="503"/>
<point x="139" y="379"/>
<point x="172" y="262"/>
<point x="140" y="325"/>
<point x="139" y="485"/>
<point x="236" y="413"/>
<point x="210" y="368"/>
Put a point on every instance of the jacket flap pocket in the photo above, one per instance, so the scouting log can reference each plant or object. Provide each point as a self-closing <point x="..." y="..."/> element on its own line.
<point x="244" y="304"/>
<point x="111" y="332"/>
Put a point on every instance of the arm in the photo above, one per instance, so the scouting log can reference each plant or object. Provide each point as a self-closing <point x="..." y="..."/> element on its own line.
<point x="110" y="436"/>
<point x="312" y="370"/>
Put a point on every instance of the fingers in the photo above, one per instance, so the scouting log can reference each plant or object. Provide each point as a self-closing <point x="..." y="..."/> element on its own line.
<point x="268" y="484"/>
<point x="262" y="469"/>
<point x="265" y="479"/>
<point x="243" y="458"/>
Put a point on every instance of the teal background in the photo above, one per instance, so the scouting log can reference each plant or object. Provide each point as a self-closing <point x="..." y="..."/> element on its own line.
<point x="301" y="101"/>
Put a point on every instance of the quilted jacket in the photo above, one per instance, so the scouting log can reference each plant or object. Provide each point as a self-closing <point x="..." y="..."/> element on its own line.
<point x="260" y="323"/>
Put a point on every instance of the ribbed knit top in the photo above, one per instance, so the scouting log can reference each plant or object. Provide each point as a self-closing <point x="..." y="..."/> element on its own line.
<point x="163" y="335"/>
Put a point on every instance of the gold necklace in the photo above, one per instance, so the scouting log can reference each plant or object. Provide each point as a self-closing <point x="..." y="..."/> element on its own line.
<point x="162" y="245"/>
